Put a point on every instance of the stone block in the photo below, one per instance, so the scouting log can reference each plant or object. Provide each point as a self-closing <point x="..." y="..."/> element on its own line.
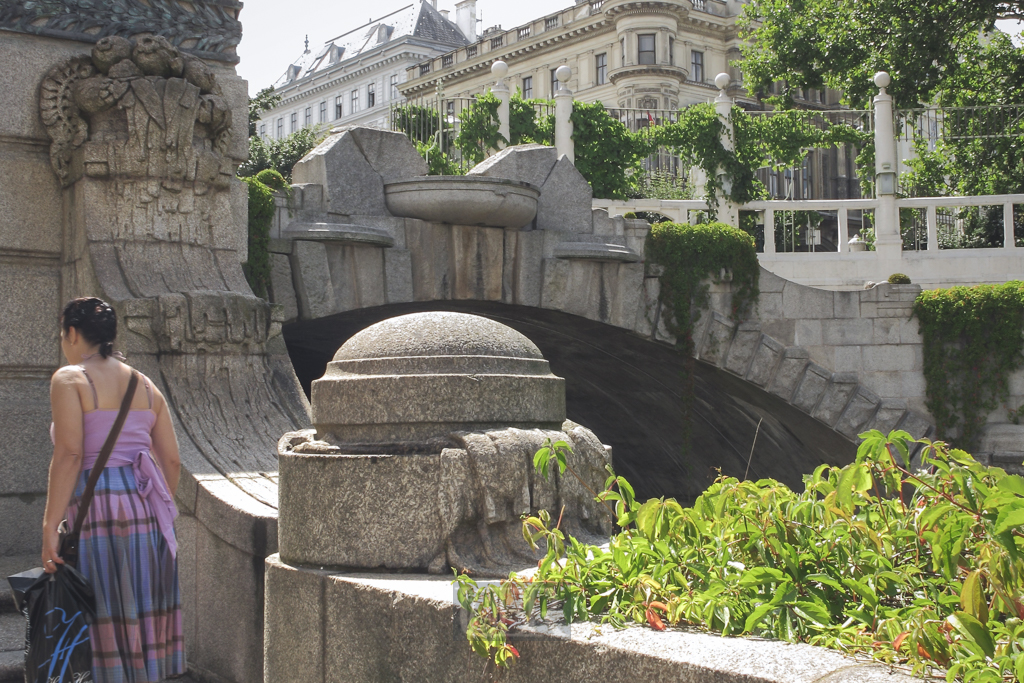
<point x="847" y="304"/>
<point x="429" y="245"/>
<point x="30" y="327"/>
<point x="885" y="384"/>
<point x="888" y="415"/>
<point x="30" y="205"/>
<point x="770" y="283"/>
<point x="885" y="331"/>
<point x="25" y="449"/>
<point x="603" y="223"/>
<point x="846" y="332"/>
<point x="812" y="387"/>
<point x="395" y="227"/>
<point x="744" y="345"/>
<point x="229" y="610"/>
<point x="477" y="262"/>
<point x="392" y="155"/>
<point x="912" y="385"/>
<point x="799" y="302"/>
<point x="371" y="532"/>
<point x="860" y="410"/>
<point x="791" y="370"/>
<point x="647" y="316"/>
<point x="398" y="275"/>
<point x="836" y="397"/>
<point x="295" y="616"/>
<point x="808" y="332"/>
<point x="769" y="305"/>
<point x="527" y="267"/>
<point x="185" y="526"/>
<point x="357" y="275"/>
<point x="889" y="357"/>
<point x="351" y="185"/>
<point x="766" y="357"/>
<point x="526" y="163"/>
<point x="627" y="295"/>
<point x="22" y="530"/>
<point x="847" y="359"/>
<point x="312" y="277"/>
<point x="554" y="292"/>
<point x="566" y="200"/>
<point x="282" y="288"/>
<point x="910" y="332"/>
<point x="782" y="331"/>
<point x="637" y="232"/>
<point x="715" y="346"/>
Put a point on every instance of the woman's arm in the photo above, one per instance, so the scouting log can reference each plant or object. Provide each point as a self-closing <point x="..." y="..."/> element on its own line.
<point x="66" y="463"/>
<point x="165" y="443"/>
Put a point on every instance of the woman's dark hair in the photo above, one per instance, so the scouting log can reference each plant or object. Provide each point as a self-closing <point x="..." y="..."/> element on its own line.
<point x="94" y="319"/>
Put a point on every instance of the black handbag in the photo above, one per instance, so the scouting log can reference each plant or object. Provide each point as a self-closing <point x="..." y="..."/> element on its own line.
<point x="59" y="607"/>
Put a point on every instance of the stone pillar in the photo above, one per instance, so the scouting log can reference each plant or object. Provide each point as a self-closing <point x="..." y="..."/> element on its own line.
<point x="563" y="115"/>
<point x="727" y="211"/>
<point x="500" y="89"/>
<point x="888" y="242"/>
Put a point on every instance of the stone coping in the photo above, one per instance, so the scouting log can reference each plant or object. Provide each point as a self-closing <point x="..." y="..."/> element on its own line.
<point x="592" y="652"/>
<point x="595" y="251"/>
<point x="339" y="232"/>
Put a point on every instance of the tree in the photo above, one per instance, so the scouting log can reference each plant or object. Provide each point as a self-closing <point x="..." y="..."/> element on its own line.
<point x="280" y="155"/>
<point x="923" y="44"/>
<point x="265" y="100"/>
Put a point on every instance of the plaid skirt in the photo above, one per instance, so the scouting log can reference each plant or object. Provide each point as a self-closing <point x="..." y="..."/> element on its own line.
<point x="137" y="637"/>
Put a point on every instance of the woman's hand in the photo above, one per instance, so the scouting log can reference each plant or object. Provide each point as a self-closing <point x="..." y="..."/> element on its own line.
<point x="51" y="558"/>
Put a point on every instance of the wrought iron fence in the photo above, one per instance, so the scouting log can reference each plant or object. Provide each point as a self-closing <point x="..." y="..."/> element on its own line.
<point x="960" y="123"/>
<point x="432" y="123"/>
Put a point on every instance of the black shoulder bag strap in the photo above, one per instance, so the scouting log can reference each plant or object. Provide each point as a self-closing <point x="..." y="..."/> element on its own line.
<point x="69" y="543"/>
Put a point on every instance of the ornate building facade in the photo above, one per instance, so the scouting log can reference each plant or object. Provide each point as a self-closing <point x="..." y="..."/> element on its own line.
<point x="354" y="78"/>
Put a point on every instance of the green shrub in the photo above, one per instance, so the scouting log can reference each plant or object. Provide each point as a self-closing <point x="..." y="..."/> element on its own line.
<point x="899" y="279"/>
<point x="973" y="339"/>
<point x="261" y="215"/>
<point x="922" y="570"/>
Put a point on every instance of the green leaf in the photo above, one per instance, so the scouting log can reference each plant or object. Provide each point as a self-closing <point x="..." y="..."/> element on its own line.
<point x="1011" y="483"/>
<point x="972" y="597"/>
<point x="759" y="576"/>
<point x="1010" y="517"/>
<point x="813" y="612"/>
<point x="973" y="630"/>
<point x="757" y="615"/>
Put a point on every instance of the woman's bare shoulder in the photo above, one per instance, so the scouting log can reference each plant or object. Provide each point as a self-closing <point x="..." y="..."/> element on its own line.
<point x="67" y="375"/>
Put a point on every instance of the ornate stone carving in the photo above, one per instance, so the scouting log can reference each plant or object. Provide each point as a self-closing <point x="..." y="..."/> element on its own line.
<point x="141" y="109"/>
<point x="209" y="28"/>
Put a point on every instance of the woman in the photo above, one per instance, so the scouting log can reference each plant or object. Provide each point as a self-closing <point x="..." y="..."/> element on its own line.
<point x="127" y="548"/>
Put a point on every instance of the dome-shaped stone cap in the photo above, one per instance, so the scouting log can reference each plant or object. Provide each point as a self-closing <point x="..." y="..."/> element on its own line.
<point x="438" y="342"/>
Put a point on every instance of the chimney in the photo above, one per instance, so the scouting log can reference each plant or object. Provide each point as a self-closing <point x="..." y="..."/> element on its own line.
<point x="433" y="3"/>
<point x="465" y="18"/>
<point x="444" y="13"/>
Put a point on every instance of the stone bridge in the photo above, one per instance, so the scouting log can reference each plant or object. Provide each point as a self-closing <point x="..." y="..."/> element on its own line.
<point x="814" y="367"/>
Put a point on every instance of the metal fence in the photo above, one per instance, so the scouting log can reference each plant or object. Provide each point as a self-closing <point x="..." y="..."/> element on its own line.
<point x="960" y="123"/>
<point x="432" y="123"/>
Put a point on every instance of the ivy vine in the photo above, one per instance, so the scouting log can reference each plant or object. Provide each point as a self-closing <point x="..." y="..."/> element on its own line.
<point x="973" y="339"/>
<point x="261" y="215"/>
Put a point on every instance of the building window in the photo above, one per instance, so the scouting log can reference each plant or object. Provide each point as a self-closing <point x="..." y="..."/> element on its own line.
<point x="551" y="22"/>
<point x="337" y="107"/>
<point x="645" y="49"/>
<point x="355" y="102"/>
<point x="498" y="42"/>
<point x="394" y="86"/>
<point x="601" y="69"/>
<point x="280" y="128"/>
<point x="307" y="119"/>
<point x="527" y="87"/>
<point x="471" y="51"/>
<point x="554" y="82"/>
<point x="447" y="60"/>
<point x="523" y="33"/>
<point x="323" y="113"/>
<point x="697" y="66"/>
<point x="424" y="69"/>
<point x="671" y="50"/>
<point x="371" y="95"/>
<point x="263" y="130"/>
<point x="805" y="174"/>
<point x="294" y="122"/>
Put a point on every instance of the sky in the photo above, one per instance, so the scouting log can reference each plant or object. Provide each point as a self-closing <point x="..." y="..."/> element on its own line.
<point x="273" y="32"/>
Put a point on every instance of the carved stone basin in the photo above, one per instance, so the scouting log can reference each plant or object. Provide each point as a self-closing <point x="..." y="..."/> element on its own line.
<point x="464" y="200"/>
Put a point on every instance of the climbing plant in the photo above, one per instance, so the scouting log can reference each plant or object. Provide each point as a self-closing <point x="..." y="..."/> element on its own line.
<point x="479" y="131"/>
<point x="526" y="125"/>
<point x="923" y="570"/>
<point x="608" y="155"/>
<point x="261" y="214"/>
<point x="973" y="339"/>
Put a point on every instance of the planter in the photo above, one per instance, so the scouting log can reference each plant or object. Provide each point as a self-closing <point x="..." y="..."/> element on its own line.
<point x="464" y="200"/>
